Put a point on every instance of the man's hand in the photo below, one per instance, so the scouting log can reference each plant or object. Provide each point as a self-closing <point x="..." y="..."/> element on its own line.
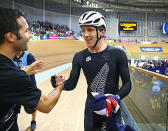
<point x="57" y="80"/>
<point x="33" y="68"/>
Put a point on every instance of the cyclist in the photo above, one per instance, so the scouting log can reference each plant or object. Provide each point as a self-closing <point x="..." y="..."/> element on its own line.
<point x="102" y="65"/>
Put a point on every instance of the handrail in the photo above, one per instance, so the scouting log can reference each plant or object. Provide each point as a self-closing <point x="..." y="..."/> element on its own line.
<point x="162" y="77"/>
<point x="127" y="117"/>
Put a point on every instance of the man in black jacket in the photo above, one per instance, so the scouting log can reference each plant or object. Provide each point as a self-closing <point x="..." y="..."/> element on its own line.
<point x="16" y="87"/>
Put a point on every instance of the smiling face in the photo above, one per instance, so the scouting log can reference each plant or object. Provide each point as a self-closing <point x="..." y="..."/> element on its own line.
<point x="89" y="35"/>
<point x="24" y="34"/>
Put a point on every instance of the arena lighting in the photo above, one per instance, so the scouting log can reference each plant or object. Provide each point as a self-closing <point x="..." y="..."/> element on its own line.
<point x="125" y="7"/>
<point x="90" y="4"/>
<point x="155" y="57"/>
<point x="108" y="10"/>
<point x="80" y="1"/>
<point x="83" y="1"/>
<point x="142" y="57"/>
<point x="146" y="42"/>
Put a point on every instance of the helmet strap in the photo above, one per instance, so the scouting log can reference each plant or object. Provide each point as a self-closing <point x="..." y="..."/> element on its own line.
<point x="98" y="38"/>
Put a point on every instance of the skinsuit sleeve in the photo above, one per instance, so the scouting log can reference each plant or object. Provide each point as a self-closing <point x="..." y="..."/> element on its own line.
<point x="124" y="73"/>
<point x="71" y="82"/>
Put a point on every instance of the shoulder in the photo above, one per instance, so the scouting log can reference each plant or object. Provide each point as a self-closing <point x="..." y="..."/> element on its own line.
<point x="81" y="53"/>
<point x="7" y="65"/>
<point x="30" y="55"/>
<point x="30" y="58"/>
<point x="118" y="53"/>
<point x="116" y="48"/>
<point x="78" y="57"/>
<point x="12" y="74"/>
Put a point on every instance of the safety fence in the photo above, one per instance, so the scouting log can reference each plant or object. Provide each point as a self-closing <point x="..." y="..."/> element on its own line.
<point x="147" y="103"/>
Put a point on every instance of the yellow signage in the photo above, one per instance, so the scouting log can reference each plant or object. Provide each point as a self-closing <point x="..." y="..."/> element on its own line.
<point x="128" y="26"/>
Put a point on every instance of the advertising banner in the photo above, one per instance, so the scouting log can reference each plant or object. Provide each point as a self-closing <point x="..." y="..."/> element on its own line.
<point x="44" y="37"/>
<point x="78" y="38"/>
<point x="35" y="38"/>
<point x="69" y="38"/>
<point x="61" y="37"/>
<point x="53" y="37"/>
<point x="124" y="41"/>
<point x="111" y="41"/>
<point x="151" y="49"/>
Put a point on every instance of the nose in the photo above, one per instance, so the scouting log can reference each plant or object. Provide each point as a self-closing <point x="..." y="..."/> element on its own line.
<point x="85" y="33"/>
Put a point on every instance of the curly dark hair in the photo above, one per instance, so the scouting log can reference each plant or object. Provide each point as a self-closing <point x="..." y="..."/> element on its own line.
<point x="8" y="22"/>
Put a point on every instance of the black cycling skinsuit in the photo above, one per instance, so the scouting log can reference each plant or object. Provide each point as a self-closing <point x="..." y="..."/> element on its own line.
<point x="102" y="71"/>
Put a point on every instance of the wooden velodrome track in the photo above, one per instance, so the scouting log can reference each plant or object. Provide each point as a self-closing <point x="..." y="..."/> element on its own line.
<point x="68" y="114"/>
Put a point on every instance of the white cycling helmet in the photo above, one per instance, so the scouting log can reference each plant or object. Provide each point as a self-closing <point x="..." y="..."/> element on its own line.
<point x="92" y="18"/>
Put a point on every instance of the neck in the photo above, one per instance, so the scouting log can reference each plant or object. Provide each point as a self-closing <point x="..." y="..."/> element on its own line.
<point x="7" y="51"/>
<point x="100" y="47"/>
<point x="18" y="54"/>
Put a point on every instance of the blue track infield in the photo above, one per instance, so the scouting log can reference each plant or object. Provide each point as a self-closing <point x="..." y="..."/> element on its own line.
<point x="48" y="73"/>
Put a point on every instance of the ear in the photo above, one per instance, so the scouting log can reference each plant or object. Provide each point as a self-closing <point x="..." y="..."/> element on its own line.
<point x="10" y="37"/>
<point x="102" y="32"/>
